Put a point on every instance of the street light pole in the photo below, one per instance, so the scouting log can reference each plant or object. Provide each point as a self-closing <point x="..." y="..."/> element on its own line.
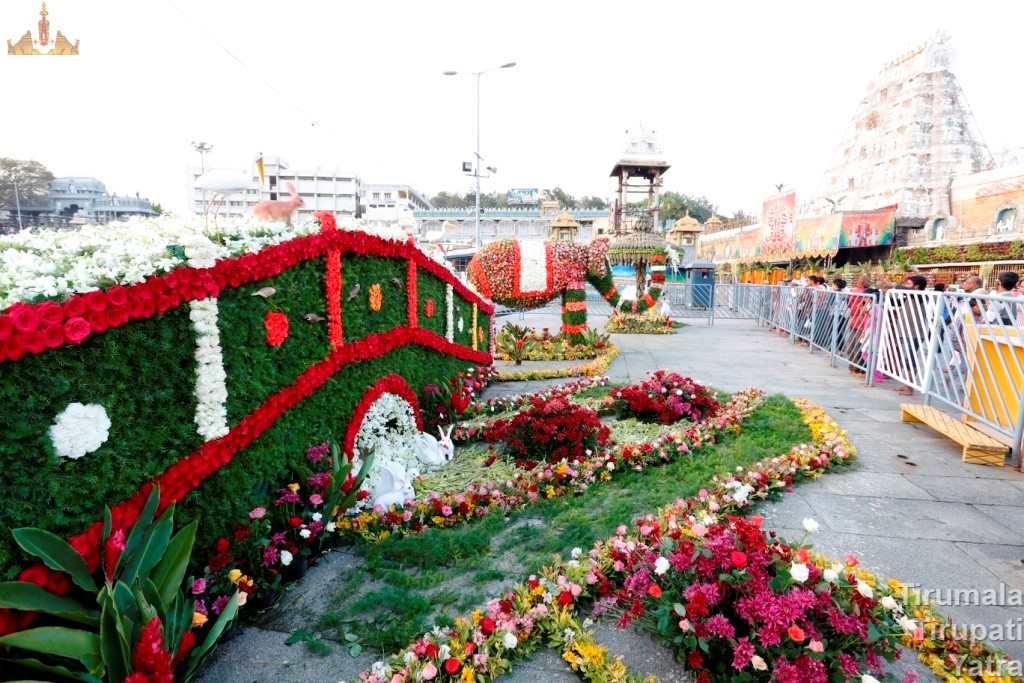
<point x="478" y="239"/>
<point x="202" y="148"/>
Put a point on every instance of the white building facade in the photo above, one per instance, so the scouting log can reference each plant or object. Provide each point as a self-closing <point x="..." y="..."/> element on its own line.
<point x="321" y="189"/>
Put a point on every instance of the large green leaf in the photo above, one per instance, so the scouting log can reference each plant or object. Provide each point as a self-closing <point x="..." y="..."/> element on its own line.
<point x="170" y="572"/>
<point x="55" y="553"/>
<point x="31" y="598"/>
<point x="150" y="550"/>
<point x="114" y="647"/>
<point x="55" y="640"/>
<point x="139" y="529"/>
<point x="58" y="671"/>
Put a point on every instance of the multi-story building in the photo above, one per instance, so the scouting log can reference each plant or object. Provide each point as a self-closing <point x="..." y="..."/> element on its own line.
<point x="386" y="205"/>
<point x="320" y="189"/>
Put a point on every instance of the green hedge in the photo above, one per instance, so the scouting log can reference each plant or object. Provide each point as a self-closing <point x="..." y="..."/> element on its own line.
<point x="256" y="370"/>
<point x="358" y="319"/>
<point x="143" y="375"/>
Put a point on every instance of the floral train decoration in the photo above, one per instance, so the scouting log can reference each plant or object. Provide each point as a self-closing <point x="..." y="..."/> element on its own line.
<point x="202" y="366"/>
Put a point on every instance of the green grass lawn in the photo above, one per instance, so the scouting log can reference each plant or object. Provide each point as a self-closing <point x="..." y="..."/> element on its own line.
<point x="408" y="585"/>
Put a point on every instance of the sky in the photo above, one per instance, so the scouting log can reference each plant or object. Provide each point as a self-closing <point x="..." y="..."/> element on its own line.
<point x="741" y="95"/>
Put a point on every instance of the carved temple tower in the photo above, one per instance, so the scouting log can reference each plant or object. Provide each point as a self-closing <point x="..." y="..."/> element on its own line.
<point x="912" y="133"/>
<point x="641" y="161"/>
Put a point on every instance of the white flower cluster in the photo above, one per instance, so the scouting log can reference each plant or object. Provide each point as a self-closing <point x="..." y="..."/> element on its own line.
<point x="56" y="263"/>
<point x="449" y="321"/>
<point x="211" y="390"/>
<point x="533" y="267"/>
<point x="79" y="429"/>
<point x="389" y="428"/>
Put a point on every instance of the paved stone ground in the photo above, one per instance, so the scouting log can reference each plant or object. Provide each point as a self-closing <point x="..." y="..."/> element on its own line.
<point x="908" y="508"/>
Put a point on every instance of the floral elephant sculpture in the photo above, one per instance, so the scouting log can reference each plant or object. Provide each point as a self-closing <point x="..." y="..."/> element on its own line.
<point x="529" y="274"/>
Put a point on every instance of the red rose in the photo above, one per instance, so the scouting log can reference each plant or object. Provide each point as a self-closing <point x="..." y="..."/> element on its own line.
<point x="34" y="341"/>
<point x="23" y="317"/>
<point x="76" y="329"/>
<point x="14" y="347"/>
<point x="6" y="326"/>
<point x="796" y="633"/>
<point x="565" y="598"/>
<point x="505" y="606"/>
<point x="114" y="317"/>
<point x="75" y="307"/>
<point x="469" y="648"/>
<point x="96" y="301"/>
<point x="803" y="556"/>
<point x="452" y="666"/>
<point x="53" y="335"/>
<point x="654" y="591"/>
<point x="431" y="650"/>
<point x="117" y="295"/>
<point x="37" y="574"/>
<point x="295" y="522"/>
<point x="50" y="312"/>
<point x="487" y="626"/>
<point x="98" y="321"/>
<point x="222" y="545"/>
<point x="739" y="559"/>
<point x="695" y="659"/>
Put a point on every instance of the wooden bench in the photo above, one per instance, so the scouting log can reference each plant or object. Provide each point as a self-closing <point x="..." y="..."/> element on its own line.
<point x="979" y="448"/>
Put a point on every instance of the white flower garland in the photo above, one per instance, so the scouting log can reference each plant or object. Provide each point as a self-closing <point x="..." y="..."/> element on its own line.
<point x="79" y="429"/>
<point x="56" y="263"/>
<point x="211" y="416"/>
<point x="449" y="322"/>
<point x="211" y="389"/>
<point x="389" y="428"/>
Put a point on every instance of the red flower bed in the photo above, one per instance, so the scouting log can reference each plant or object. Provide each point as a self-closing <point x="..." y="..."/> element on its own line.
<point x="551" y="429"/>
<point x="666" y="397"/>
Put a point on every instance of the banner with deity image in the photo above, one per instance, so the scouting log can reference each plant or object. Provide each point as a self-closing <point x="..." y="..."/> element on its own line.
<point x="778" y="218"/>
<point x="868" y="228"/>
<point x="818" y="236"/>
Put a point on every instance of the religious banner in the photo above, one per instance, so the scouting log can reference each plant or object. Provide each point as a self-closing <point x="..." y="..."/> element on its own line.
<point x="778" y="216"/>
<point x="749" y="243"/>
<point x="818" y="236"/>
<point x="868" y="228"/>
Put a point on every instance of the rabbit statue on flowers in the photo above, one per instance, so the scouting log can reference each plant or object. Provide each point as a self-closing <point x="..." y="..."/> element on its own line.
<point x="435" y="453"/>
<point x="279" y="210"/>
<point x="394" y="487"/>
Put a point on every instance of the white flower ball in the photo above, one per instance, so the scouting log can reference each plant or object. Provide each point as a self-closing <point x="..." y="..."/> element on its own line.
<point x="79" y="429"/>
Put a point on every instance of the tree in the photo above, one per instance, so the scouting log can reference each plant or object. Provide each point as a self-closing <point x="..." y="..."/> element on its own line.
<point x="674" y="206"/>
<point x="449" y="200"/>
<point x="592" y="203"/>
<point x="565" y="200"/>
<point x="32" y="177"/>
<point x="157" y="209"/>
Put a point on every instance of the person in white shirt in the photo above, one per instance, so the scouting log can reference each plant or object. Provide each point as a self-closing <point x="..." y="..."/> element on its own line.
<point x="1004" y="312"/>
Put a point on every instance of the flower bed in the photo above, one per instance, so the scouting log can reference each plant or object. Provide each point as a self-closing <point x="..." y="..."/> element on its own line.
<point x="543" y="608"/>
<point x="665" y="397"/>
<point x="598" y="366"/>
<point x="639" y="323"/>
<point x="210" y="364"/>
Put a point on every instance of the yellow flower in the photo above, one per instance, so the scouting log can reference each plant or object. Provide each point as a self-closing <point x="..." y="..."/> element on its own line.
<point x="198" y="619"/>
<point x="477" y="616"/>
<point x="294" y="488"/>
<point x="467" y="675"/>
<point x="234" y="575"/>
<point x="438" y="520"/>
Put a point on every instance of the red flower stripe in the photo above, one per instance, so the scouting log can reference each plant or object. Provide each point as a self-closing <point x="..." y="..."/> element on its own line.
<point x="573" y="329"/>
<point x="648" y="300"/>
<point x="574" y="306"/>
<point x="391" y="384"/>
<point x="481" y="278"/>
<point x="610" y="293"/>
<point x="32" y="328"/>
<point x="657" y="277"/>
<point x="412" y="298"/>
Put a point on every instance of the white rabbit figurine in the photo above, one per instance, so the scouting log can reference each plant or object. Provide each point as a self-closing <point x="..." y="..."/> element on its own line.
<point x="394" y="487"/>
<point x="666" y="310"/>
<point x="433" y="453"/>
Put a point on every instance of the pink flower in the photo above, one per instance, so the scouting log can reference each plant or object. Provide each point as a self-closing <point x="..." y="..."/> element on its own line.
<point x="198" y="586"/>
<point x="816" y="646"/>
<point x="257" y="513"/>
<point x="316" y="499"/>
<point x="429" y="671"/>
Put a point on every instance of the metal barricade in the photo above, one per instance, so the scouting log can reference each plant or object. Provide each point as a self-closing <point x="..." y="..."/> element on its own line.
<point x="963" y="351"/>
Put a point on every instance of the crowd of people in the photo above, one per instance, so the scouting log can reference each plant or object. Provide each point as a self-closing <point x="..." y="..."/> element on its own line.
<point x="852" y="321"/>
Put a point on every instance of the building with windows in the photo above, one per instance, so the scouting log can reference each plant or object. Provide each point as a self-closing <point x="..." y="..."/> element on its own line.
<point x="387" y="205"/>
<point x="80" y="199"/>
<point x="321" y="189"/>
